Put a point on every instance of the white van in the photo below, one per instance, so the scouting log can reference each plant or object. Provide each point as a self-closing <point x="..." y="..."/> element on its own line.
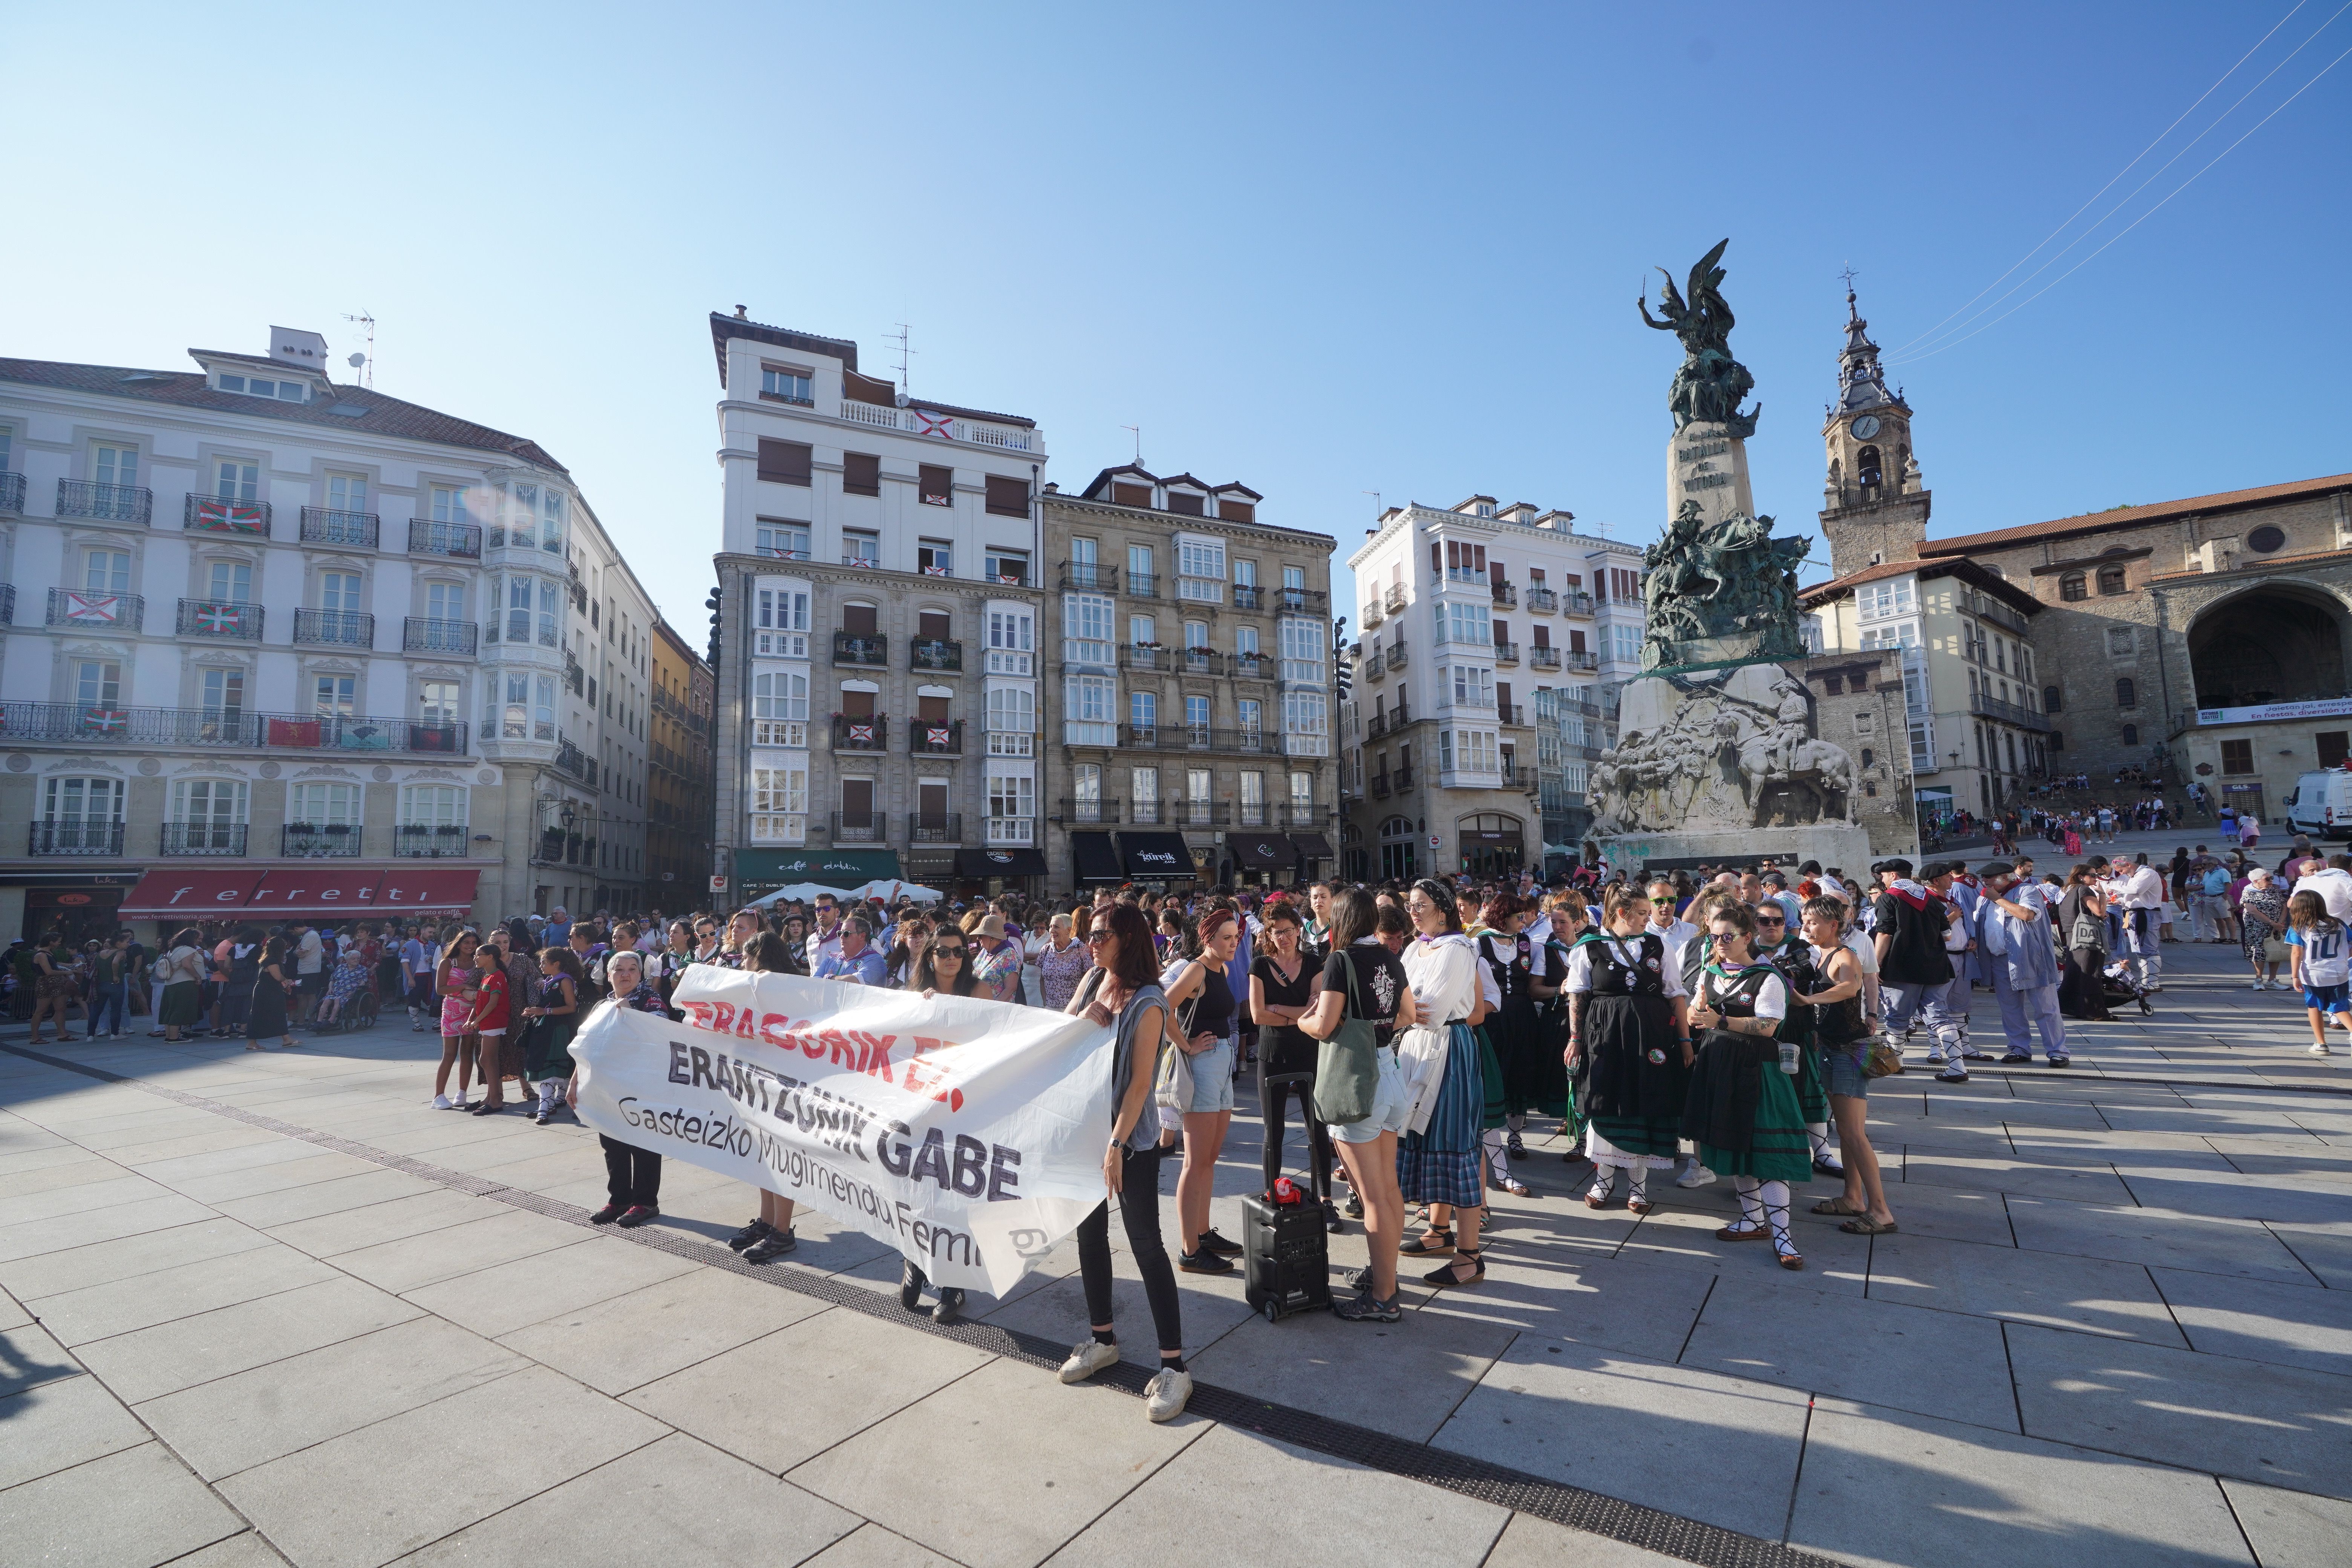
<point x="2321" y="804"/>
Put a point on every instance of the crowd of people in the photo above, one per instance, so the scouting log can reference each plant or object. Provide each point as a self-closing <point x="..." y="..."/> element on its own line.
<point x="1712" y="1024"/>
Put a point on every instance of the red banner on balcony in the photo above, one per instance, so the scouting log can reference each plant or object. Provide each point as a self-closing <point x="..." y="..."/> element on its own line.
<point x="323" y="890"/>
<point x="440" y="890"/>
<point x="193" y="893"/>
<point x="291" y="733"/>
<point x="230" y="517"/>
<point x="94" y="609"/>
<point x="861" y="734"/>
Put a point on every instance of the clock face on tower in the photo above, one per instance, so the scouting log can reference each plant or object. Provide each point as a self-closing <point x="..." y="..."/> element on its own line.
<point x="1865" y="428"/>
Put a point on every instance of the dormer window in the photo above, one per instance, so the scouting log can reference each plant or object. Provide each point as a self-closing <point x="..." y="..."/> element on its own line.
<point x="263" y="387"/>
<point x="783" y="384"/>
<point x="1184" y="503"/>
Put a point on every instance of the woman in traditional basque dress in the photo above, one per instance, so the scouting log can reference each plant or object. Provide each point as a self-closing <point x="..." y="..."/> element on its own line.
<point x="1629" y="1050"/>
<point x="1742" y="1112"/>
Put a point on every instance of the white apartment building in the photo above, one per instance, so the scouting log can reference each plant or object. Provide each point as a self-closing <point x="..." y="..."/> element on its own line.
<point x="1469" y="615"/>
<point x="277" y="645"/>
<point x="877" y="708"/>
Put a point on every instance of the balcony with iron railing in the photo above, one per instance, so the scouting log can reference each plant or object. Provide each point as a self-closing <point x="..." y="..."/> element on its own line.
<point x="570" y="759"/>
<point x="1248" y="596"/>
<point x="105" y="503"/>
<point x="575" y="675"/>
<point x="227" y="620"/>
<point x="942" y="655"/>
<point x="1393" y="599"/>
<point x="1507" y="653"/>
<point x="1014" y="832"/>
<point x="2008" y="713"/>
<point x="1514" y="713"/>
<point x="1301" y="602"/>
<point x="1089" y="576"/>
<point x="224" y="514"/>
<point x="8" y="604"/>
<point x="1380" y="786"/>
<point x="1146" y="813"/>
<point x="1370" y="614"/>
<point x="861" y="733"/>
<point x="424" y="634"/>
<point x="866" y="650"/>
<point x="860" y="827"/>
<point x="94" y="610"/>
<point x="934" y="827"/>
<point x="202" y="838"/>
<point x="1250" y="666"/>
<point x="1202" y="738"/>
<point x="1396" y="654"/>
<point x="12" y="493"/>
<point x="335" y="628"/>
<point x="457" y="541"/>
<point x="1141" y="585"/>
<point x="1148" y="655"/>
<point x="1542" y="658"/>
<point x="74" y="837"/>
<point x="1200" y="813"/>
<point x="1504" y="595"/>
<point x="1574" y="602"/>
<point x="1542" y="600"/>
<point x="232" y="728"/>
<point x="1580" y="659"/>
<point x="1376" y="666"/>
<point x="319" y="841"/>
<point x="355" y="529"/>
<point x="1400" y="779"/>
<point x="1298" y="816"/>
<point x="935" y="738"/>
<point x="1089" y="811"/>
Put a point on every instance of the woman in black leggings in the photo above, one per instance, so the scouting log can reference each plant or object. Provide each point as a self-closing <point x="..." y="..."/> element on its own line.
<point x="1283" y="984"/>
<point x="1123" y="990"/>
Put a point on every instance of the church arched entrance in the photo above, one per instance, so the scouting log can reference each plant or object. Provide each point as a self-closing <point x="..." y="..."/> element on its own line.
<point x="2281" y="643"/>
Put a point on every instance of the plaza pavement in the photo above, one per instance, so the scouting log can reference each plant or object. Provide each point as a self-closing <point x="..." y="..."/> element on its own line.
<point x="2115" y="1327"/>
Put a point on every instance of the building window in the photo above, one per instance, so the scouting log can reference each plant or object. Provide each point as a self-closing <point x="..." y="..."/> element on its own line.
<point x="81" y="813"/>
<point x="1091" y="721"/>
<point x="860" y="549"/>
<point x="335" y="697"/>
<point x="1245" y="642"/>
<point x="780" y="620"/>
<point x="224" y="698"/>
<point x="1250" y="714"/>
<point x="322" y="806"/>
<point x="1196" y="715"/>
<point x="935" y="485"/>
<point x="1868" y="756"/>
<point x="1007" y="566"/>
<point x="543" y="711"/>
<point x="2237" y="756"/>
<point x="1085" y="629"/>
<point x="236" y="480"/>
<point x="2126" y="694"/>
<point x="107" y="572"/>
<point x="785" y="541"/>
<point x="437" y="701"/>
<point x="934" y="558"/>
<point x="2333" y="746"/>
<point x="861" y="474"/>
<point x="778" y="384"/>
<point x="1302" y="650"/>
<point x="2074" y="585"/>
<point x="785" y="462"/>
<point x="263" y="387"/>
<point x="449" y="504"/>
<point x="1187" y="505"/>
<point x="1305" y="723"/>
<point x="2052" y="700"/>
<point x="1833" y="685"/>
<point x="2266" y="539"/>
<point x="1007" y="495"/>
<point x="2131" y="734"/>
<point x="209" y="812"/>
<point x="779" y="803"/>
<point x="1143" y="710"/>
<point x="1201" y="558"/>
<point x="1878" y="600"/>
<point x="780" y="709"/>
<point x="2111" y="580"/>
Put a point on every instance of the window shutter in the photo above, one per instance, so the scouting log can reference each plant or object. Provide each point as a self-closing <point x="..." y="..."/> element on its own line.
<point x="935" y="485"/>
<point x="861" y="474"/>
<point x="1543" y="636"/>
<point x="1575" y="641"/>
<point x="1453" y="555"/>
<point x="857" y="801"/>
<point x="1436" y="563"/>
<point x="1008" y="497"/>
<point x="1503" y="695"/>
<point x="1495" y="572"/>
<point x="932" y="709"/>
<point x="1237" y="510"/>
<point x="933" y="624"/>
<point x="784" y="462"/>
<point x="859" y="620"/>
<point x="1131" y="495"/>
<point x="857" y="704"/>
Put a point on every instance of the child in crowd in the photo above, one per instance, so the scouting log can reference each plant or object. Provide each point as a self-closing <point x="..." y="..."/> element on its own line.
<point x="2321" y="968"/>
<point x="350" y="978"/>
<point x="559" y="1002"/>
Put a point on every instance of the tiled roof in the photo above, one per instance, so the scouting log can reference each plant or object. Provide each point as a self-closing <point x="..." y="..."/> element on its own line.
<point x="1967" y="570"/>
<point x="725" y="327"/>
<point x="2132" y="516"/>
<point x="191" y="389"/>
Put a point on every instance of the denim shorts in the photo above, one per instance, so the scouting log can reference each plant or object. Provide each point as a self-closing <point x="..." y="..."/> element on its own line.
<point x="1212" y="1079"/>
<point x="1842" y="1071"/>
<point x="1391" y="1105"/>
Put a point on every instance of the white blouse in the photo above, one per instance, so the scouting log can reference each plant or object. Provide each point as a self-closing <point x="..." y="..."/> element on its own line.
<point x="1443" y="974"/>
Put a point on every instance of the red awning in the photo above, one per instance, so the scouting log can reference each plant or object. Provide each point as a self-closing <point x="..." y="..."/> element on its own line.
<point x="320" y="887"/>
<point x="194" y="892"/>
<point x="428" y="890"/>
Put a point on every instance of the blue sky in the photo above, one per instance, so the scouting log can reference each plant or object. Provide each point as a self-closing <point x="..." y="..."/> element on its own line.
<point x="1322" y="250"/>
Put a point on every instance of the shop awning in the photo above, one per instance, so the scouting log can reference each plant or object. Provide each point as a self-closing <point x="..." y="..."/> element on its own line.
<point x="1261" y="851"/>
<point x="427" y="890"/>
<point x="983" y="863"/>
<point x="827" y="868"/>
<point x="197" y="893"/>
<point x="1096" y="860"/>
<point x="1161" y="857"/>
<point x="320" y="887"/>
<point x="1311" y="846"/>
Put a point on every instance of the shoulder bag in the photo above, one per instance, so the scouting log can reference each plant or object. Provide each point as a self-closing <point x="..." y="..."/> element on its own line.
<point x="1348" y="1065"/>
<point x="1173" y="1088"/>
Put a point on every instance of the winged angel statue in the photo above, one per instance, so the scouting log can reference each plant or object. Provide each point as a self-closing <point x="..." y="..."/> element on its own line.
<point x="1710" y="383"/>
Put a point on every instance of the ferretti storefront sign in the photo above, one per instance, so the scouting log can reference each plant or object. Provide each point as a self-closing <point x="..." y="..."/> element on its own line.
<point x="2333" y="708"/>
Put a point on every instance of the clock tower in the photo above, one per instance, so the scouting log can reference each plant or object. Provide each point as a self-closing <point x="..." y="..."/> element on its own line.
<point x="1873" y="503"/>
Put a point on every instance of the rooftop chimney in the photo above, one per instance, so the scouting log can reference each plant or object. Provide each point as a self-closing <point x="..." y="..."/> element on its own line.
<point x="291" y="345"/>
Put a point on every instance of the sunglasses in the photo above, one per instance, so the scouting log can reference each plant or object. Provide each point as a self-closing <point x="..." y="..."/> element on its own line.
<point x="1095" y="938"/>
<point x="948" y="953"/>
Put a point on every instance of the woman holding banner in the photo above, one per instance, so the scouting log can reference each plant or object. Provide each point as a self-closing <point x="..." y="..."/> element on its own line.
<point x="1123" y="991"/>
<point x="945" y="964"/>
<point x="632" y="1175"/>
<point x="770" y="1236"/>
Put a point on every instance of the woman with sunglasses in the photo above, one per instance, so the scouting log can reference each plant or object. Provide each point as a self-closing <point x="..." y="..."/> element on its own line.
<point x="1742" y="1111"/>
<point x="944" y="964"/>
<point x="1124" y="993"/>
<point x="1788" y="951"/>
<point x="1437" y="1158"/>
<point x="1628" y="1047"/>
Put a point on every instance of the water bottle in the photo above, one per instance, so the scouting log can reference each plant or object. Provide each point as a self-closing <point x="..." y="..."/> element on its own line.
<point x="1788" y="1058"/>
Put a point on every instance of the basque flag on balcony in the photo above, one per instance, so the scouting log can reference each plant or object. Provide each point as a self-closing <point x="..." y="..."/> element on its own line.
<point x="230" y="517"/>
<point x="105" y="608"/>
<point x="105" y="721"/>
<point x="220" y="619"/>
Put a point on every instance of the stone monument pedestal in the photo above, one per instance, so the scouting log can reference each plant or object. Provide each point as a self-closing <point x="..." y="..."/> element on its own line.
<point x="1837" y="843"/>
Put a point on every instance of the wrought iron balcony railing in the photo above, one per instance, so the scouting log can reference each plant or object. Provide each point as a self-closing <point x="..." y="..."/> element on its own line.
<point x="1582" y="658"/>
<point x="935" y="653"/>
<point x="1089" y="811"/>
<point x="105" y="503"/>
<point x="1542" y="600"/>
<point x="1576" y="603"/>
<point x="1251" y="666"/>
<point x="222" y="514"/>
<point x="96" y="611"/>
<point x="868" y="649"/>
<point x="235" y="728"/>
<point x="325" y="525"/>
<point x="224" y="618"/>
<point x="318" y="841"/>
<point x="202" y="839"/>
<point x="12" y="493"/>
<point x="1507" y="653"/>
<point x="1396" y="654"/>
<point x="462" y="541"/>
<point x="424" y="634"/>
<point x="1302" y="601"/>
<point x="430" y="842"/>
<point x="859" y="827"/>
<point x="1141" y="585"/>
<point x="568" y="758"/>
<point x="1248" y="596"/>
<point x="1393" y="599"/>
<point x="1504" y="595"/>
<point x="336" y="628"/>
<point x="1540" y="658"/>
<point x="8" y="604"/>
<point x="934" y="827"/>
<point x="861" y="733"/>
<point x="1200" y="813"/>
<point x="1200" y="737"/>
<point x="71" y="837"/>
<point x="1089" y="575"/>
<point x="935" y="738"/>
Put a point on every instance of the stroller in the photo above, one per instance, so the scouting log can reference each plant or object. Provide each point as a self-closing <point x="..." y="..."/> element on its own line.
<point x="2117" y="986"/>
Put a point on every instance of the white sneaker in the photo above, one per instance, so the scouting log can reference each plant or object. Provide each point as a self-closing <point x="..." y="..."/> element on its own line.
<point x="441" y="1103"/>
<point x="1165" y="1395"/>
<point x="2317" y="1049"/>
<point x="1089" y="1357"/>
<point x="1698" y="1175"/>
<point x="2258" y="984"/>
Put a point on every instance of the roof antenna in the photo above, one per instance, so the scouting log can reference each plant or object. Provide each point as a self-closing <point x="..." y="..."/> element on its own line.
<point x="1136" y="431"/>
<point x="365" y="365"/>
<point x="906" y="388"/>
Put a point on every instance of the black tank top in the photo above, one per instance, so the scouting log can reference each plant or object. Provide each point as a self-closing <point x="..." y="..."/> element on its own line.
<point x="1214" y="1015"/>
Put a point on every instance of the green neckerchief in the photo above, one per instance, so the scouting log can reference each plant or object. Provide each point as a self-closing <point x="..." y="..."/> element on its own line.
<point x="1749" y="968"/>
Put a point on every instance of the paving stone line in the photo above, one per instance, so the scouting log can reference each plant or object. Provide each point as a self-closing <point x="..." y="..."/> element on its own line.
<point x="1636" y="1524"/>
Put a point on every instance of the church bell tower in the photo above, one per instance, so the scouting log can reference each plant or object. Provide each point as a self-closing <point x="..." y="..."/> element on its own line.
<point x="1873" y="503"/>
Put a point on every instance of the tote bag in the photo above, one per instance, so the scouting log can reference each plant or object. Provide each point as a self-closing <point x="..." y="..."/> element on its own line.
<point x="1348" y="1065"/>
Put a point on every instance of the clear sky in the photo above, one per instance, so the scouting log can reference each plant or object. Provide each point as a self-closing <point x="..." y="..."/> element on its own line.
<point x="1322" y="250"/>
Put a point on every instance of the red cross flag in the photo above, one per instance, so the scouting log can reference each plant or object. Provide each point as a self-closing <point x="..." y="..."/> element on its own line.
<point x="105" y="607"/>
<point x="929" y="424"/>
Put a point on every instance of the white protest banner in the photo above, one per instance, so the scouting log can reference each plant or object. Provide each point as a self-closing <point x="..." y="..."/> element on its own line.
<point x="967" y="1134"/>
